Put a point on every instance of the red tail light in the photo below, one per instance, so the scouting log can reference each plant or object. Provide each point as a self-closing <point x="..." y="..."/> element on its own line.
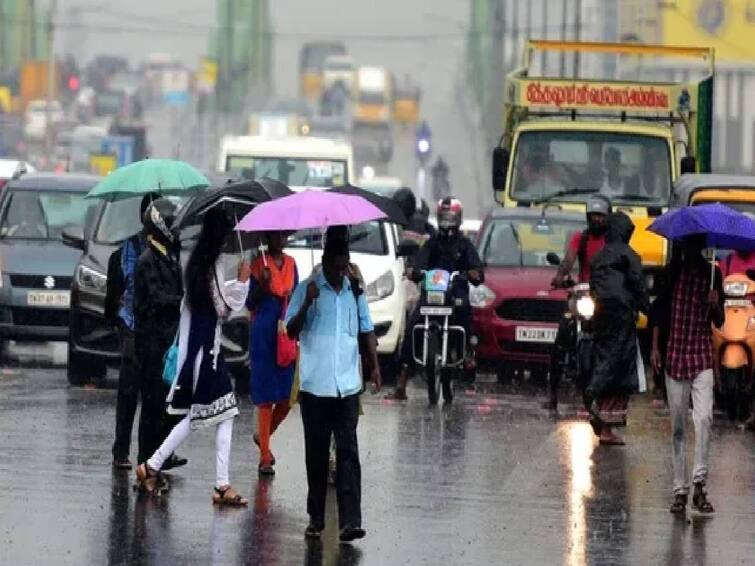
<point x="3" y="182"/>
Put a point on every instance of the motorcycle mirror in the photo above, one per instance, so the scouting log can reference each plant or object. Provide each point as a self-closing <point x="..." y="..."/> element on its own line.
<point x="552" y="259"/>
<point x="500" y="168"/>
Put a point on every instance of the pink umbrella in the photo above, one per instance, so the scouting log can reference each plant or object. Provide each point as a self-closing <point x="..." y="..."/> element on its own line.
<point x="309" y="209"/>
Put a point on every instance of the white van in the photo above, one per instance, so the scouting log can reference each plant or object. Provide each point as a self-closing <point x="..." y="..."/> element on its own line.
<point x="294" y="161"/>
<point x="374" y="249"/>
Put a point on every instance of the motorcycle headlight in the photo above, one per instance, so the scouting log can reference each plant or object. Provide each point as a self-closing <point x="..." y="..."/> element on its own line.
<point x="735" y="289"/>
<point x="381" y="288"/>
<point x="586" y="307"/>
<point x="649" y="281"/>
<point x="481" y="296"/>
<point x="91" y="279"/>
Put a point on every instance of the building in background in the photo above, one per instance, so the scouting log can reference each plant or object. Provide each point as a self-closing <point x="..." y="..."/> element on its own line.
<point x="242" y="47"/>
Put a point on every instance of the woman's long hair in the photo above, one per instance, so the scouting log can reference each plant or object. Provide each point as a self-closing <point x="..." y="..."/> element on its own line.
<point x="200" y="269"/>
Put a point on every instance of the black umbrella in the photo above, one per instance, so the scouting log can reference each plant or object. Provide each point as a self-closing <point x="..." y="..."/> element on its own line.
<point x="237" y="199"/>
<point x="274" y="188"/>
<point x="386" y="205"/>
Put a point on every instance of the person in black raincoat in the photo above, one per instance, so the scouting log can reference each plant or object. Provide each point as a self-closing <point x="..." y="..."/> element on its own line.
<point x="158" y="290"/>
<point x="619" y="290"/>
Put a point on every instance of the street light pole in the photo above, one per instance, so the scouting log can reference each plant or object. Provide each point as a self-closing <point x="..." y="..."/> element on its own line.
<point x="50" y="75"/>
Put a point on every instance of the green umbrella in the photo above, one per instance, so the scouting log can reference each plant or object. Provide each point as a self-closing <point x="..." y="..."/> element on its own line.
<point x="162" y="176"/>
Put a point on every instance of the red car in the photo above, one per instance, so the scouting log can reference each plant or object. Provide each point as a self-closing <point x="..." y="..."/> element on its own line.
<point x="515" y="314"/>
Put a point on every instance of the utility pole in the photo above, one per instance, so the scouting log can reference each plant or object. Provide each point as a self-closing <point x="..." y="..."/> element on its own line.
<point x="562" y="60"/>
<point x="577" y="34"/>
<point x="50" y="75"/>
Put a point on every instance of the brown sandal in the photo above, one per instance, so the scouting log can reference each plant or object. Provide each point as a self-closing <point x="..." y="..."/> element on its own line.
<point x="228" y="496"/>
<point x="148" y="480"/>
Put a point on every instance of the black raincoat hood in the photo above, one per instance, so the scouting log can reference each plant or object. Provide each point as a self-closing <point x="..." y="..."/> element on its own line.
<point x="620" y="228"/>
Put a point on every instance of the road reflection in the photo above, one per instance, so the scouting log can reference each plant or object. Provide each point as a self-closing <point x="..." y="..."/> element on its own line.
<point x="580" y="443"/>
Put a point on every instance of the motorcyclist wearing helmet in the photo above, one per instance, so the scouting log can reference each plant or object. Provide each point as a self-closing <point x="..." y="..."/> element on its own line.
<point x="582" y="247"/>
<point x="450" y="250"/>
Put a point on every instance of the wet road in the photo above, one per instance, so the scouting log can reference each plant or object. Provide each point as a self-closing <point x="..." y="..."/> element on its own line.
<point x="490" y="480"/>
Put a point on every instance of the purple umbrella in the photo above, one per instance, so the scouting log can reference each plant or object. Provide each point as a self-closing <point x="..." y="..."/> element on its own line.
<point x="309" y="209"/>
<point x="723" y="227"/>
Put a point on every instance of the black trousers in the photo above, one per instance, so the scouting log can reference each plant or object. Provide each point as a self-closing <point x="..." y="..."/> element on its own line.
<point x="128" y="396"/>
<point x="323" y="416"/>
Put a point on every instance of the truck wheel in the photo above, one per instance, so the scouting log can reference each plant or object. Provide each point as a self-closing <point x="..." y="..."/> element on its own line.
<point x="83" y="369"/>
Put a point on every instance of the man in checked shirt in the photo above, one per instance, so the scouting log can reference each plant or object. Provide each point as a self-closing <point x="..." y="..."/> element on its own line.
<point x="689" y="306"/>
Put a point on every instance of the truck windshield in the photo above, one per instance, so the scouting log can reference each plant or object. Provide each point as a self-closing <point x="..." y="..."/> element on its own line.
<point x="299" y="172"/>
<point x="627" y="168"/>
<point x="525" y="242"/>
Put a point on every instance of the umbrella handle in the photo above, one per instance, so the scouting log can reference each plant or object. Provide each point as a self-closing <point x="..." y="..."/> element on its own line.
<point x="238" y="235"/>
<point x="713" y="270"/>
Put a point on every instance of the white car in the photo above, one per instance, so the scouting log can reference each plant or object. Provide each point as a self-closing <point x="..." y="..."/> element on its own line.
<point x="374" y="249"/>
<point x="35" y="119"/>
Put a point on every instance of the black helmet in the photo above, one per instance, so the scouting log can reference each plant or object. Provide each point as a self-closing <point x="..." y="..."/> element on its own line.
<point x="158" y="220"/>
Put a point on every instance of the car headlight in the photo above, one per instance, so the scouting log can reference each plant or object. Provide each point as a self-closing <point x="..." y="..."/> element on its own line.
<point x="91" y="279"/>
<point x="481" y="296"/>
<point x="735" y="289"/>
<point x="586" y="307"/>
<point x="381" y="288"/>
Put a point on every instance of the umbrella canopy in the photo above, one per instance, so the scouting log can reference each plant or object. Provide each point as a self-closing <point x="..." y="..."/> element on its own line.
<point x="724" y="227"/>
<point x="161" y="176"/>
<point x="239" y="197"/>
<point x="274" y="188"/>
<point x="310" y="209"/>
<point x="391" y="209"/>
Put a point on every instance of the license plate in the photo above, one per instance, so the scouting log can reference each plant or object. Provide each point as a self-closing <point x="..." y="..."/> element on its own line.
<point x="48" y="298"/>
<point x="543" y="335"/>
<point x="436" y="311"/>
<point x="436" y="297"/>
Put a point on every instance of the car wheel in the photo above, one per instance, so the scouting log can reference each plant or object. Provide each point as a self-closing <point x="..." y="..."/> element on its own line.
<point x="83" y="369"/>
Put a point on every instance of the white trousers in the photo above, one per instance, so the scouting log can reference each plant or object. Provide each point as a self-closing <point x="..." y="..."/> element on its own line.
<point x="180" y="432"/>
<point x="679" y="392"/>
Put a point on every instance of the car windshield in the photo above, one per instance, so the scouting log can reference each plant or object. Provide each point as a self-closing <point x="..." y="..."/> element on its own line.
<point x="290" y="171"/>
<point x="628" y="168"/>
<point x="367" y="238"/>
<point x="120" y="220"/>
<point x="526" y="242"/>
<point x="42" y="215"/>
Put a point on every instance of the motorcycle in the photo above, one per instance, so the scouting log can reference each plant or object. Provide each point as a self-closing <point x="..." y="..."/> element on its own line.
<point x="437" y="345"/>
<point x="581" y="308"/>
<point x="734" y="345"/>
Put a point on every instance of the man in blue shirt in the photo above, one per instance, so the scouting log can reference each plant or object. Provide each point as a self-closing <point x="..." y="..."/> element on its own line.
<point x="328" y="313"/>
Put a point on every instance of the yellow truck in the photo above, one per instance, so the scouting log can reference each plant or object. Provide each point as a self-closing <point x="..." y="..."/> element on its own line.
<point x="567" y="138"/>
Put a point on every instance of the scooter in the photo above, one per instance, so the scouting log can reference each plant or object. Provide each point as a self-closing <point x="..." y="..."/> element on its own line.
<point x="437" y="345"/>
<point x="734" y="345"/>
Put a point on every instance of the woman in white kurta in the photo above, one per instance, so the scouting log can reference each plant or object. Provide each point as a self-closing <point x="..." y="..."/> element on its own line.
<point x="202" y="389"/>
